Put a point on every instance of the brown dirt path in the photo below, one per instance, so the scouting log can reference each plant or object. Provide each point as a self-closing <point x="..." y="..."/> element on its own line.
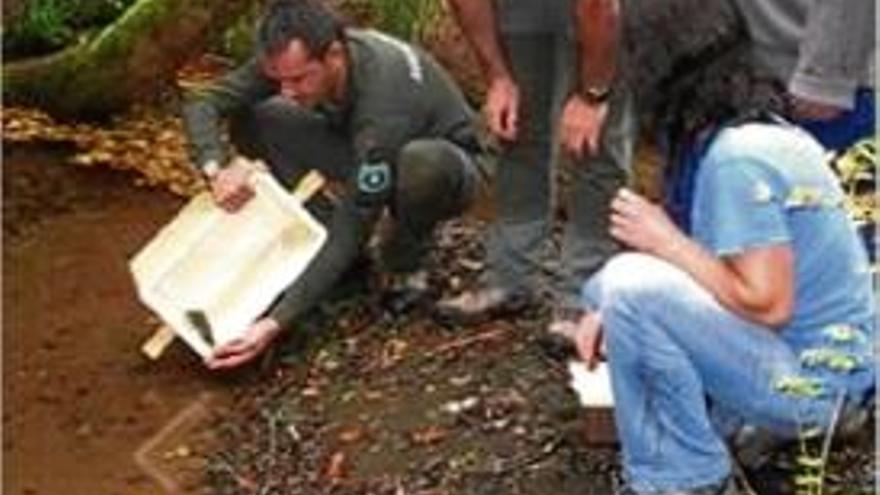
<point x="79" y="399"/>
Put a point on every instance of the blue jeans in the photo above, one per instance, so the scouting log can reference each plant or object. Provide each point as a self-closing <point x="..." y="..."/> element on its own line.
<point x="671" y="347"/>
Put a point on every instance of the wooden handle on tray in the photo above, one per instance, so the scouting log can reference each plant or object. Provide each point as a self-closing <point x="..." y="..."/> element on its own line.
<point x="164" y="335"/>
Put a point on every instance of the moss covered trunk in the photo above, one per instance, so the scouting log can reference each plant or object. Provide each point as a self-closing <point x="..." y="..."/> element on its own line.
<point x="127" y="62"/>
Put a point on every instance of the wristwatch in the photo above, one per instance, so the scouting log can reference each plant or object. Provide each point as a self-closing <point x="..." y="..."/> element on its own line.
<point x="596" y="94"/>
<point x="210" y="169"/>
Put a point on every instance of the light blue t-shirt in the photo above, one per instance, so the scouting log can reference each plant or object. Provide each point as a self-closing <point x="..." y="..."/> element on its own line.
<point x="766" y="184"/>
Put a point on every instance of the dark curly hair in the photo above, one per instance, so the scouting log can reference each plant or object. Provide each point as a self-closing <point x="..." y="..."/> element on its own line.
<point x="687" y="62"/>
<point x="311" y="21"/>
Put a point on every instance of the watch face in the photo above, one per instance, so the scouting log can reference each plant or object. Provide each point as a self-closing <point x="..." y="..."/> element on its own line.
<point x="374" y="177"/>
<point x="597" y="94"/>
<point x="210" y="169"/>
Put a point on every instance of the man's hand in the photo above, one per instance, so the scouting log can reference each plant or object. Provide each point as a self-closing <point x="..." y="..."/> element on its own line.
<point x="806" y="109"/>
<point x="241" y="350"/>
<point x="581" y="125"/>
<point x="502" y="108"/>
<point x="642" y="225"/>
<point x="586" y="334"/>
<point x="231" y="186"/>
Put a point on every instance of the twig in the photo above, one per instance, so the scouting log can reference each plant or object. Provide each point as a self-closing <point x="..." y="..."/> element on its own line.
<point x="829" y="435"/>
<point x="547" y="450"/>
<point x="739" y="472"/>
<point x="465" y="342"/>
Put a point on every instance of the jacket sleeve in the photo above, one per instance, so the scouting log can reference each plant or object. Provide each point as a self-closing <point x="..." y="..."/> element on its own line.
<point x="347" y="230"/>
<point x="835" y="51"/>
<point x="205" y="107"/>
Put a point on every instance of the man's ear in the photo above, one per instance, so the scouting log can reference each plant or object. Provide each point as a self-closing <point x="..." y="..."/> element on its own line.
<point x="335" y="53"/>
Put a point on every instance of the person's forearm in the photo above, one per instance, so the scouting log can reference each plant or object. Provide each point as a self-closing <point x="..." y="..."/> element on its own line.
<point x="477" y="21"/>
<point x="201" y="121"/>
<point x="760" y="302"/>
<point x="598" y="26"/>
<point x="207" y="105"/>
<point x="348" y="227"/>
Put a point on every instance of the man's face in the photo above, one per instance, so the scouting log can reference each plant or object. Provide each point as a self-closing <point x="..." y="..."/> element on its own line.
<point x="302" y="78"/>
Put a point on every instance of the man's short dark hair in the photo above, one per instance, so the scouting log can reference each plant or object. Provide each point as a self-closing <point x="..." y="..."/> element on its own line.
<point x="311" y="21"/>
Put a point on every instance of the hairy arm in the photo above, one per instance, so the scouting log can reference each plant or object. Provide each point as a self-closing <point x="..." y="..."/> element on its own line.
<point x="501" y="110"/>
<point x="477" y="20"/>
<point x="597" y="25"/>
<point x="598" y="33"/>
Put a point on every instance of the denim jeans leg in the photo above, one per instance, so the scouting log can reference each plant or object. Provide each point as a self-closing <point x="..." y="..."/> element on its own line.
<point x="671" y="345"/>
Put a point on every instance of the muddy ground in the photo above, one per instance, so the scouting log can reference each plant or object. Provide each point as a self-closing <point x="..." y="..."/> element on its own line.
<point x="79" y="400"/>
<point x="357" y="401"/>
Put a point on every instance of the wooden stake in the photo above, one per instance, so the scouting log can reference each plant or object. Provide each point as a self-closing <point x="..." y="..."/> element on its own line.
<point x="156" y="345"/>
<point x="308" y="186"/>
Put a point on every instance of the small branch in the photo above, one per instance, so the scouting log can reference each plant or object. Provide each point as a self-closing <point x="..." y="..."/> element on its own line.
<point x="466" y="342"/>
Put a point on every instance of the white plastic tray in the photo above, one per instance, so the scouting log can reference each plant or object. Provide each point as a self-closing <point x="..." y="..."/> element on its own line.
<point x="593" y="388"/>
<point x="229" y="266"/>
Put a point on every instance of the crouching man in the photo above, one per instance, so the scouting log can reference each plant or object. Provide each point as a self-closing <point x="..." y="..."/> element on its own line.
<point x="371" y="113"/>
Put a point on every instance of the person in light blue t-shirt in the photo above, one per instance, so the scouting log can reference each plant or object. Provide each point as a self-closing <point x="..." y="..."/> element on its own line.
<point x="760" y="316"/>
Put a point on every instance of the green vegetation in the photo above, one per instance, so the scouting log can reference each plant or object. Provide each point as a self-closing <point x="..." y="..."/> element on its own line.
<point x="48" y="25"/>
<point x="407" y="19"/>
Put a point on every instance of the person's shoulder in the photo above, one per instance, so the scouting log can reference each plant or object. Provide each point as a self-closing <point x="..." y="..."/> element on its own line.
<point x="762" y="142"/>
<point x="386" y="60"/>
<point x="745" y="139"/>
<point x="376" y="40"/>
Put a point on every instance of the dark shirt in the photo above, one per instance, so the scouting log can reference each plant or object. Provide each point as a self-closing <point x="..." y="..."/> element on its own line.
<point x="396" y="93"/>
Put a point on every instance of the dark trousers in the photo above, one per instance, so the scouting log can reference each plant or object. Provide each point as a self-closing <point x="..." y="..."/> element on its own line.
<point x="435" y="180"/>
<point x="543" y="67"/>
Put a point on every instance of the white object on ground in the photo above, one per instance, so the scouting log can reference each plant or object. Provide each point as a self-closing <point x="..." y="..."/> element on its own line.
<point x="593" y="388"/>
<point x="229" y="266"/>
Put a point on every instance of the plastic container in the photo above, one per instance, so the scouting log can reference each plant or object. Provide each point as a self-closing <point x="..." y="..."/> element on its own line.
<point x="593" y="389"/>
<point x="225" y="268"/>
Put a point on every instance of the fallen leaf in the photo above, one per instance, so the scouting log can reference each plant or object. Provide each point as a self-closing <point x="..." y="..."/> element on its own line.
<point x="427" y="436"/>
<point x="351" y="434"/>
<point x="335" y="470"/>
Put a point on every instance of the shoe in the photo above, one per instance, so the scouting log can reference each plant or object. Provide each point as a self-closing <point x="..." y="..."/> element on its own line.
<point x="480" y="305"/>
<point x="557" y="347"/>
<point x="405" y="292"/>
<point x="564" y="317"/>
<point x="723" y="487"/>
<point x="753" y="447"/>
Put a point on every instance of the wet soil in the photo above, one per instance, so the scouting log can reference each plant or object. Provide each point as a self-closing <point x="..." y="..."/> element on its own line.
<point x="79" y="399"/>
<point x="358" y="400"/>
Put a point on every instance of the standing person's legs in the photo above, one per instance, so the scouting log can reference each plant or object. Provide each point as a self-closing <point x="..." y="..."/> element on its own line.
<point x="522" y="183"/>
<point x="595" y="179"/>
<point x="518" y="234"/>
<point x="670" y="345"/>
